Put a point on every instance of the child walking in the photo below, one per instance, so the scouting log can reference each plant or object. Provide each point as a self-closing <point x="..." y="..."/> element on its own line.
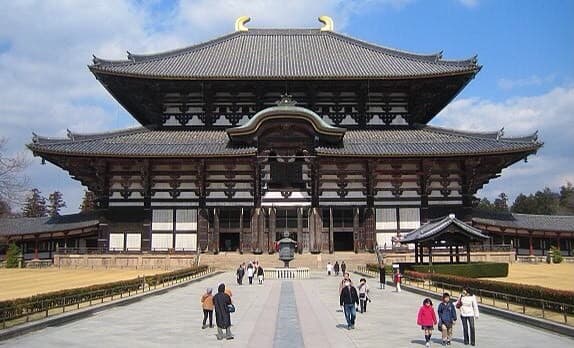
<point x="446" y="318"/>
<point x="427" y="319"/>
<point x="207" y="305"/>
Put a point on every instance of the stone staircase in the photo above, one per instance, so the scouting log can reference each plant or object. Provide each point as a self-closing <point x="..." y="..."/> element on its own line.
<point x="231" y="260"/>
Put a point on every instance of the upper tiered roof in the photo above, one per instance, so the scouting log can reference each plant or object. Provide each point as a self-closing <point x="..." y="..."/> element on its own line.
<point x="285" y="54"/>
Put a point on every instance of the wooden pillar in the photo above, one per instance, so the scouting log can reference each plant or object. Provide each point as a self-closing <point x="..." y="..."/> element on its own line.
<point x="35" y="247"/>
<point x="216" y="230"/>
<point x="272" y="223"/>
<point x="50" y="246"/>
<point x="356" y="229"/>
<point x="530" y="245"/>
<point x="241" y="230"/>
<point x="457" y="254"/>
<point x="558" y="240"/>
<point x="370" y="228"/>
<point x="450" y="253"/>
<point x="257" y="227"/>
<point x="416" y="253"/>
<point x="202" y="229"/>
<point x="467" y="252"/>
<point x="331" y="232"/>
<point x="315" y="229"/>
<point x="300" y="230"/>
<point x="430" y="254"/>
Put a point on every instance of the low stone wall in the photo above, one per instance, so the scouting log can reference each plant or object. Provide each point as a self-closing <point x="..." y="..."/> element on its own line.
<point x="134" y="261"/>
<point x="478" y="256"/>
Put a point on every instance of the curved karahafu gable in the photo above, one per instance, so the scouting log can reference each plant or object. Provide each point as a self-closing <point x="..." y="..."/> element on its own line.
<point x="286" y="111"/>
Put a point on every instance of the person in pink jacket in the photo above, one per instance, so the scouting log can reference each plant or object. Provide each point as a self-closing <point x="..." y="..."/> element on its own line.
<point x="427" y="319"/>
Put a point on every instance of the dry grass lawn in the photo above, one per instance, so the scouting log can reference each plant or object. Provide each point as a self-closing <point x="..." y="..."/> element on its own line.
<point x="15" y="283"/>
<point x="559" y="276"/>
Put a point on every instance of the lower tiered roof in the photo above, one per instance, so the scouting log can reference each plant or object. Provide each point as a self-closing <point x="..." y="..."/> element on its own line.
<point x="416" y="141"/>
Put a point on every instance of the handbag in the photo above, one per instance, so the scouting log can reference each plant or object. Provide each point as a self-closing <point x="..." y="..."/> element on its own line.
<point x="231" y="308"/>
<point x="458" y="304"/>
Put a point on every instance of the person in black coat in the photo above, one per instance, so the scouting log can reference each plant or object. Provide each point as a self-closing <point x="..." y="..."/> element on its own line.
<point x="349" y="299"/>
<point x="343" y="267"/>
<point x="240" y="273"/>
<point x="336" y="268"/>
<point x="221" y="301"/>
<point x="382" y="276"/>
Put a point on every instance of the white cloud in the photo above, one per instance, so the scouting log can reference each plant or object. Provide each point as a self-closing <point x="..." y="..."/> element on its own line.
<point x="534" y="80"/>
<point x="552" y="114"/>
<point x="468" y="3"/>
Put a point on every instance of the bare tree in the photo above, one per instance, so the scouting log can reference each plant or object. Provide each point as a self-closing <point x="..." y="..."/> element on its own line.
<point x="12" y="182"/>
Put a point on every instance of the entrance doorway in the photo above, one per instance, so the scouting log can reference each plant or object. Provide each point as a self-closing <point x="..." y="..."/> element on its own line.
<point x="229" y="241"/>
<point x="343" y="241"/>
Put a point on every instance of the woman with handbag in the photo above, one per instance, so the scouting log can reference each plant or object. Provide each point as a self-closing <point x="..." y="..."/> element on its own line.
<point x="223" y="308"/>
<point x="468" y="313"/>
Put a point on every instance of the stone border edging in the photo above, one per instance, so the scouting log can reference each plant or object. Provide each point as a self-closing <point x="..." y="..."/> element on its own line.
<point x="499" y="312"/>
<point x="63" y="318"/>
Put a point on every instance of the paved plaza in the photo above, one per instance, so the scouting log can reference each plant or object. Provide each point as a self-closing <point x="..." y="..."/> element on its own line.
<point x="277" y="314"/>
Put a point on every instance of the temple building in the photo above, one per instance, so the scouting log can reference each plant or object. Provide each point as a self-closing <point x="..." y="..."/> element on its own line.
<point x="265" y="131"/>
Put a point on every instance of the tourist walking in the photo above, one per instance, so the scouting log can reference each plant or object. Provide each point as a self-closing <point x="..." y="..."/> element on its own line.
<point x="250" y="273"/>
<point x="222" y="303"/>
<point x="346" y="278"/>
<point x="207" y="306"/>
<point x="468" y="312"/>
<point x="363" y="295"/>
<point x="446" y="318"/>
<point x="260" y="274"/>
<point x="398" y="277"/>
<point x="382" y="276"/>
<point x="349" y="299"/>
<point x="329" y="268"/>
<point x="336" y="268"/>
<point x="427" y="319"/>
<point x="343" y="267"/>
<point x="240" y="273"/>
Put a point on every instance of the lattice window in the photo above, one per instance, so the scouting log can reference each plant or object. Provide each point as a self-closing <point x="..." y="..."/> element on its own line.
<point x="386" y="219"/>
<point x="162" y="220"/>
<point x="116" y="241"/>
<point x="161" y="241"/>
<point x="186" y="241"/>
<point x="410" y="218"/>
<point x="186" y="220"/>
<point x="133" y="241"/>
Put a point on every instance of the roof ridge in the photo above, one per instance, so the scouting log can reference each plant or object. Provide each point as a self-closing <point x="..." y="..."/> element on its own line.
<point x="79" y="137"/>
<point x="496" y="135"/>
<point x="430" y="57"/>
<point x="554" y="216"/>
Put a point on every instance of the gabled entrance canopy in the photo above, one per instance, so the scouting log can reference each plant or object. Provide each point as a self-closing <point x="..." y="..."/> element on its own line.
<point x="286" y="114"/>
<point x="447" y="232"/>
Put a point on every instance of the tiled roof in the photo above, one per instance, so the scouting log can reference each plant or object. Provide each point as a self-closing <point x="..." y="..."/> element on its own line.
<point x="142" y="142"/>
<point x="426" y="141"/>
<point x="23" y="226"/>
<point x="406" y="141"/>
<point x="532" y="222"/>
<point x="285" y="54"/>
<point x="433" y="229"/>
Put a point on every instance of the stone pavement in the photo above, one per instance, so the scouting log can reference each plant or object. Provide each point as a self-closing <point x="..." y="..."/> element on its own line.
<point x="277" y="314"/>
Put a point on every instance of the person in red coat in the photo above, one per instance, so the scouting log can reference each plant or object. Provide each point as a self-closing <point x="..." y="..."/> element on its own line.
<point x="427" y="319"/>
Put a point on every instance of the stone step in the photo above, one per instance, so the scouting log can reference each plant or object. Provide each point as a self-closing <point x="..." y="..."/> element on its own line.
<point x="231" y="260"/>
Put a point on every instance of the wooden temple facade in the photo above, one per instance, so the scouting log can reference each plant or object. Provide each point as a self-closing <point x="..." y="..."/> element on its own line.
<point x="263" y="131"/>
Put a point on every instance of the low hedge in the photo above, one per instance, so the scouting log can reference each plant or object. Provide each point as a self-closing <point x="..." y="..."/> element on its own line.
<point x="469" y="270"/>
<point x="533" y="293"/>
<point x="15" y="308"/>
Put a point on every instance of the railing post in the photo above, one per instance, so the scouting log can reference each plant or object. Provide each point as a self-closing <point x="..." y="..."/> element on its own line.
<point x="542" y="308"/>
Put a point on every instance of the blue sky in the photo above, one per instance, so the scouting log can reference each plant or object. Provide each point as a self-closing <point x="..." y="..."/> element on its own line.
<point x="526" y="49"/>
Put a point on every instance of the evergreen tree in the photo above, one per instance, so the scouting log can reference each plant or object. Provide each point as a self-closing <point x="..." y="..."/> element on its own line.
<point x="485" y="205"/>
<point x="4" y="209"/>
<point x="56" y="203"/>
<point x="88" y="202"/>
<point x="501" y="203"/>
<point x="567" y="196"/>
<point x="35" y="205"/>
<point x="12" y="256"/>
<point x="543" y="202"/>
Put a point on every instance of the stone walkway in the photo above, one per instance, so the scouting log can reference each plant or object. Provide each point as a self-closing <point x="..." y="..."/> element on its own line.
<point x="277" y="314"/>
